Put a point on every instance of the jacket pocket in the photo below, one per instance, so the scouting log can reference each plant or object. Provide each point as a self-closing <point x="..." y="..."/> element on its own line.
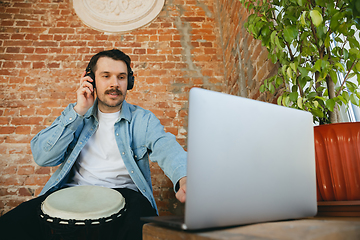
<point x="139" y="153"/>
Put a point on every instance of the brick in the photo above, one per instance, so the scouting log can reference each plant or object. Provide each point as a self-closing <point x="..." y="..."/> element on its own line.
<point x="153" y="58"/>
<point x="26" y="120"/>
<point x="14" y="43"/>
<point x="7" y="129"/>
<point x="36" y="180"/>
<point x="62" y="30"/>
<point x="26" y="192"/>
<point x="23" y="130"/>
<point x="39" y="65"/>
<point x="53" y="65"/>
<point x="9" y="180"/>
<point x="43" y="170"/>
<point x="139" y="51"/>
<point x="25" y="170"/>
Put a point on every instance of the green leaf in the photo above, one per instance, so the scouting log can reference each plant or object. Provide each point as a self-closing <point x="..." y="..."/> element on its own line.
<point x="303" y="71"/>
<point x="265" y="31"/>
<point x="303" y="18"/>
<point x="278" y="81"/>
<point x="330" y="104"/>
<point x="317" y="65"/>
<point x="342" y="99"/>
<point x="353" y="42"/>
<point x="333" y="76"/>
<point x="316" y="104"/>
<point x="351" y="86"/>
<point x="278" y="43"/>
<point x="289" y="72"/>
<point x="345" y="53"/>
<point x="357" y="66"/>
<point x="283" y="70"/>
<point x="320" y="2"/>
<point x="290" y="33"/>
<point x="325" y="64"/>
<point x="302" y="82"/>
<point x="262" y="88"/>
<point x="271" y="88"/>
<point x="293" y="66"/>
<point x="354" y="99"/>
<point x="327" y="40"/>
<point x="317" y="112"/>
<point x="279" y="100"/>
<point x="334" y="21"/>
<point x="355" y="52"/>
<point x="346" y="96"/>
<point x="340" y="66"/>
<point x="286" y="101"/>
<point x="300" y="102"/>
<point x="293" y="96"/>
<point x="316" y="17"/>
<point x="301" y="2"/>
<point x="273" y="57"/>
<point x="272" y="36"/>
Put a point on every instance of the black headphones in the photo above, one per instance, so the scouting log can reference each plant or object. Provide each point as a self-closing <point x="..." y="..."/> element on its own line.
<point x="114" y="54"/>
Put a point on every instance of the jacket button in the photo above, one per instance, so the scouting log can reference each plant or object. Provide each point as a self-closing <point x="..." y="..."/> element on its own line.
<point x="70" y="119"/>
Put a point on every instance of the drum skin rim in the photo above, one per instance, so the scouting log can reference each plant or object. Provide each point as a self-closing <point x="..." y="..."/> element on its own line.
<point x="83" y="202"/>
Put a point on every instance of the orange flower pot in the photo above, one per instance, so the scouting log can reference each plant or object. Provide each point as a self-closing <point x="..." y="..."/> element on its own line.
<point x="337" y="148"/>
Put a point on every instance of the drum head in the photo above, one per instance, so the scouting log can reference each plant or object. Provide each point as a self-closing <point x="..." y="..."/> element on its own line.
<point x="83" y="202"/>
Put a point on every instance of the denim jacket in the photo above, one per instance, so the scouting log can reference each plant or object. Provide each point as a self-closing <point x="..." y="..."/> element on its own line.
<point x="139" y="136"/>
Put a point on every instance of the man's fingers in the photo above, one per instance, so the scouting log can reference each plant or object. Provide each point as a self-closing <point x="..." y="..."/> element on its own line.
<point x="181" y="195"/>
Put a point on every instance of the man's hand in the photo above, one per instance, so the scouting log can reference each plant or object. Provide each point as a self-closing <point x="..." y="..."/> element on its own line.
<point x="181" y="194"/>
<point x="85" y="95"/>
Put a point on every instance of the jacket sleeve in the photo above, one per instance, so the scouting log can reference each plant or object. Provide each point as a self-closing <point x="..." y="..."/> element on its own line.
<point x="49" y="145"/>
<point x="166" y="151"/>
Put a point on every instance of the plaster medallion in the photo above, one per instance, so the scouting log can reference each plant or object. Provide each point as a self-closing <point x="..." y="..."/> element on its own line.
<point x="117" y="15"/>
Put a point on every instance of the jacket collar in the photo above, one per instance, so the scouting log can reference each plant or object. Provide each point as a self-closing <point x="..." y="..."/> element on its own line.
<point x="124" y="114"/>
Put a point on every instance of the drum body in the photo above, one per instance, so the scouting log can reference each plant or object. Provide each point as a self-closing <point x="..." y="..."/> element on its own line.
<point x="82" y="212"/>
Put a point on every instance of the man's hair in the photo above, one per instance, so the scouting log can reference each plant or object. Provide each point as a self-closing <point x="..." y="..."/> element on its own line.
<point x="114" y="54"/>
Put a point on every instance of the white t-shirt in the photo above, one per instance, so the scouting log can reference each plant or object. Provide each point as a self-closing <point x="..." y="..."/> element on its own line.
<point x="100" y="162"/>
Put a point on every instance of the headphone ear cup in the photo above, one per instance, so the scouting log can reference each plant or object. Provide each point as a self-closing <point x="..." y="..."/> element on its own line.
<point x="91" y="75"/>
<point x="131" y="80"/>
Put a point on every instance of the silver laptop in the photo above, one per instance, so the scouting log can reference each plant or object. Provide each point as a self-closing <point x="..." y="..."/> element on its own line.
<point x="248" y="162"/>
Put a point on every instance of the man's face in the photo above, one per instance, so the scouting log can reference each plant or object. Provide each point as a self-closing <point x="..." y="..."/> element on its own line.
<point x="111" y="84"/>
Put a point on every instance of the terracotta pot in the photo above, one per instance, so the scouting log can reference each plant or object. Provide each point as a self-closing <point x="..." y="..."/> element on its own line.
<point x="337" y="148"/>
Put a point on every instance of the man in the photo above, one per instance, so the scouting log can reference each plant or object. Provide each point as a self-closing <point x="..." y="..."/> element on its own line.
<point x="103" y="140"/>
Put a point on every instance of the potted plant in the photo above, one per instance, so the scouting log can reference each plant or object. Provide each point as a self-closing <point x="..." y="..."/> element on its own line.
<point x="313" y="43"/>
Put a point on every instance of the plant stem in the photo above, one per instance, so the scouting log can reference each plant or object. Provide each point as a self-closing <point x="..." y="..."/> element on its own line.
<point x="345" y="79"/>
<point x="331" y="91"/>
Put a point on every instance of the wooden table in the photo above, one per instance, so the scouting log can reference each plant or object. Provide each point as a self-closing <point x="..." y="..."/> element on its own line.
<point x="326" y="228"/>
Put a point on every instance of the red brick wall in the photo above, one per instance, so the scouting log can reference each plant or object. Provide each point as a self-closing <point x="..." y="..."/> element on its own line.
<point x="44" y="48"/>
<point x="246" y="62"/>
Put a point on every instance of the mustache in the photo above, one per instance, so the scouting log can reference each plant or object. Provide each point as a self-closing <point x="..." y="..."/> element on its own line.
<point x="116" y="91"/>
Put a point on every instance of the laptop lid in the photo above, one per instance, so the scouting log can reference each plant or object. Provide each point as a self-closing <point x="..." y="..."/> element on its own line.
<point x="248" y="162"/>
